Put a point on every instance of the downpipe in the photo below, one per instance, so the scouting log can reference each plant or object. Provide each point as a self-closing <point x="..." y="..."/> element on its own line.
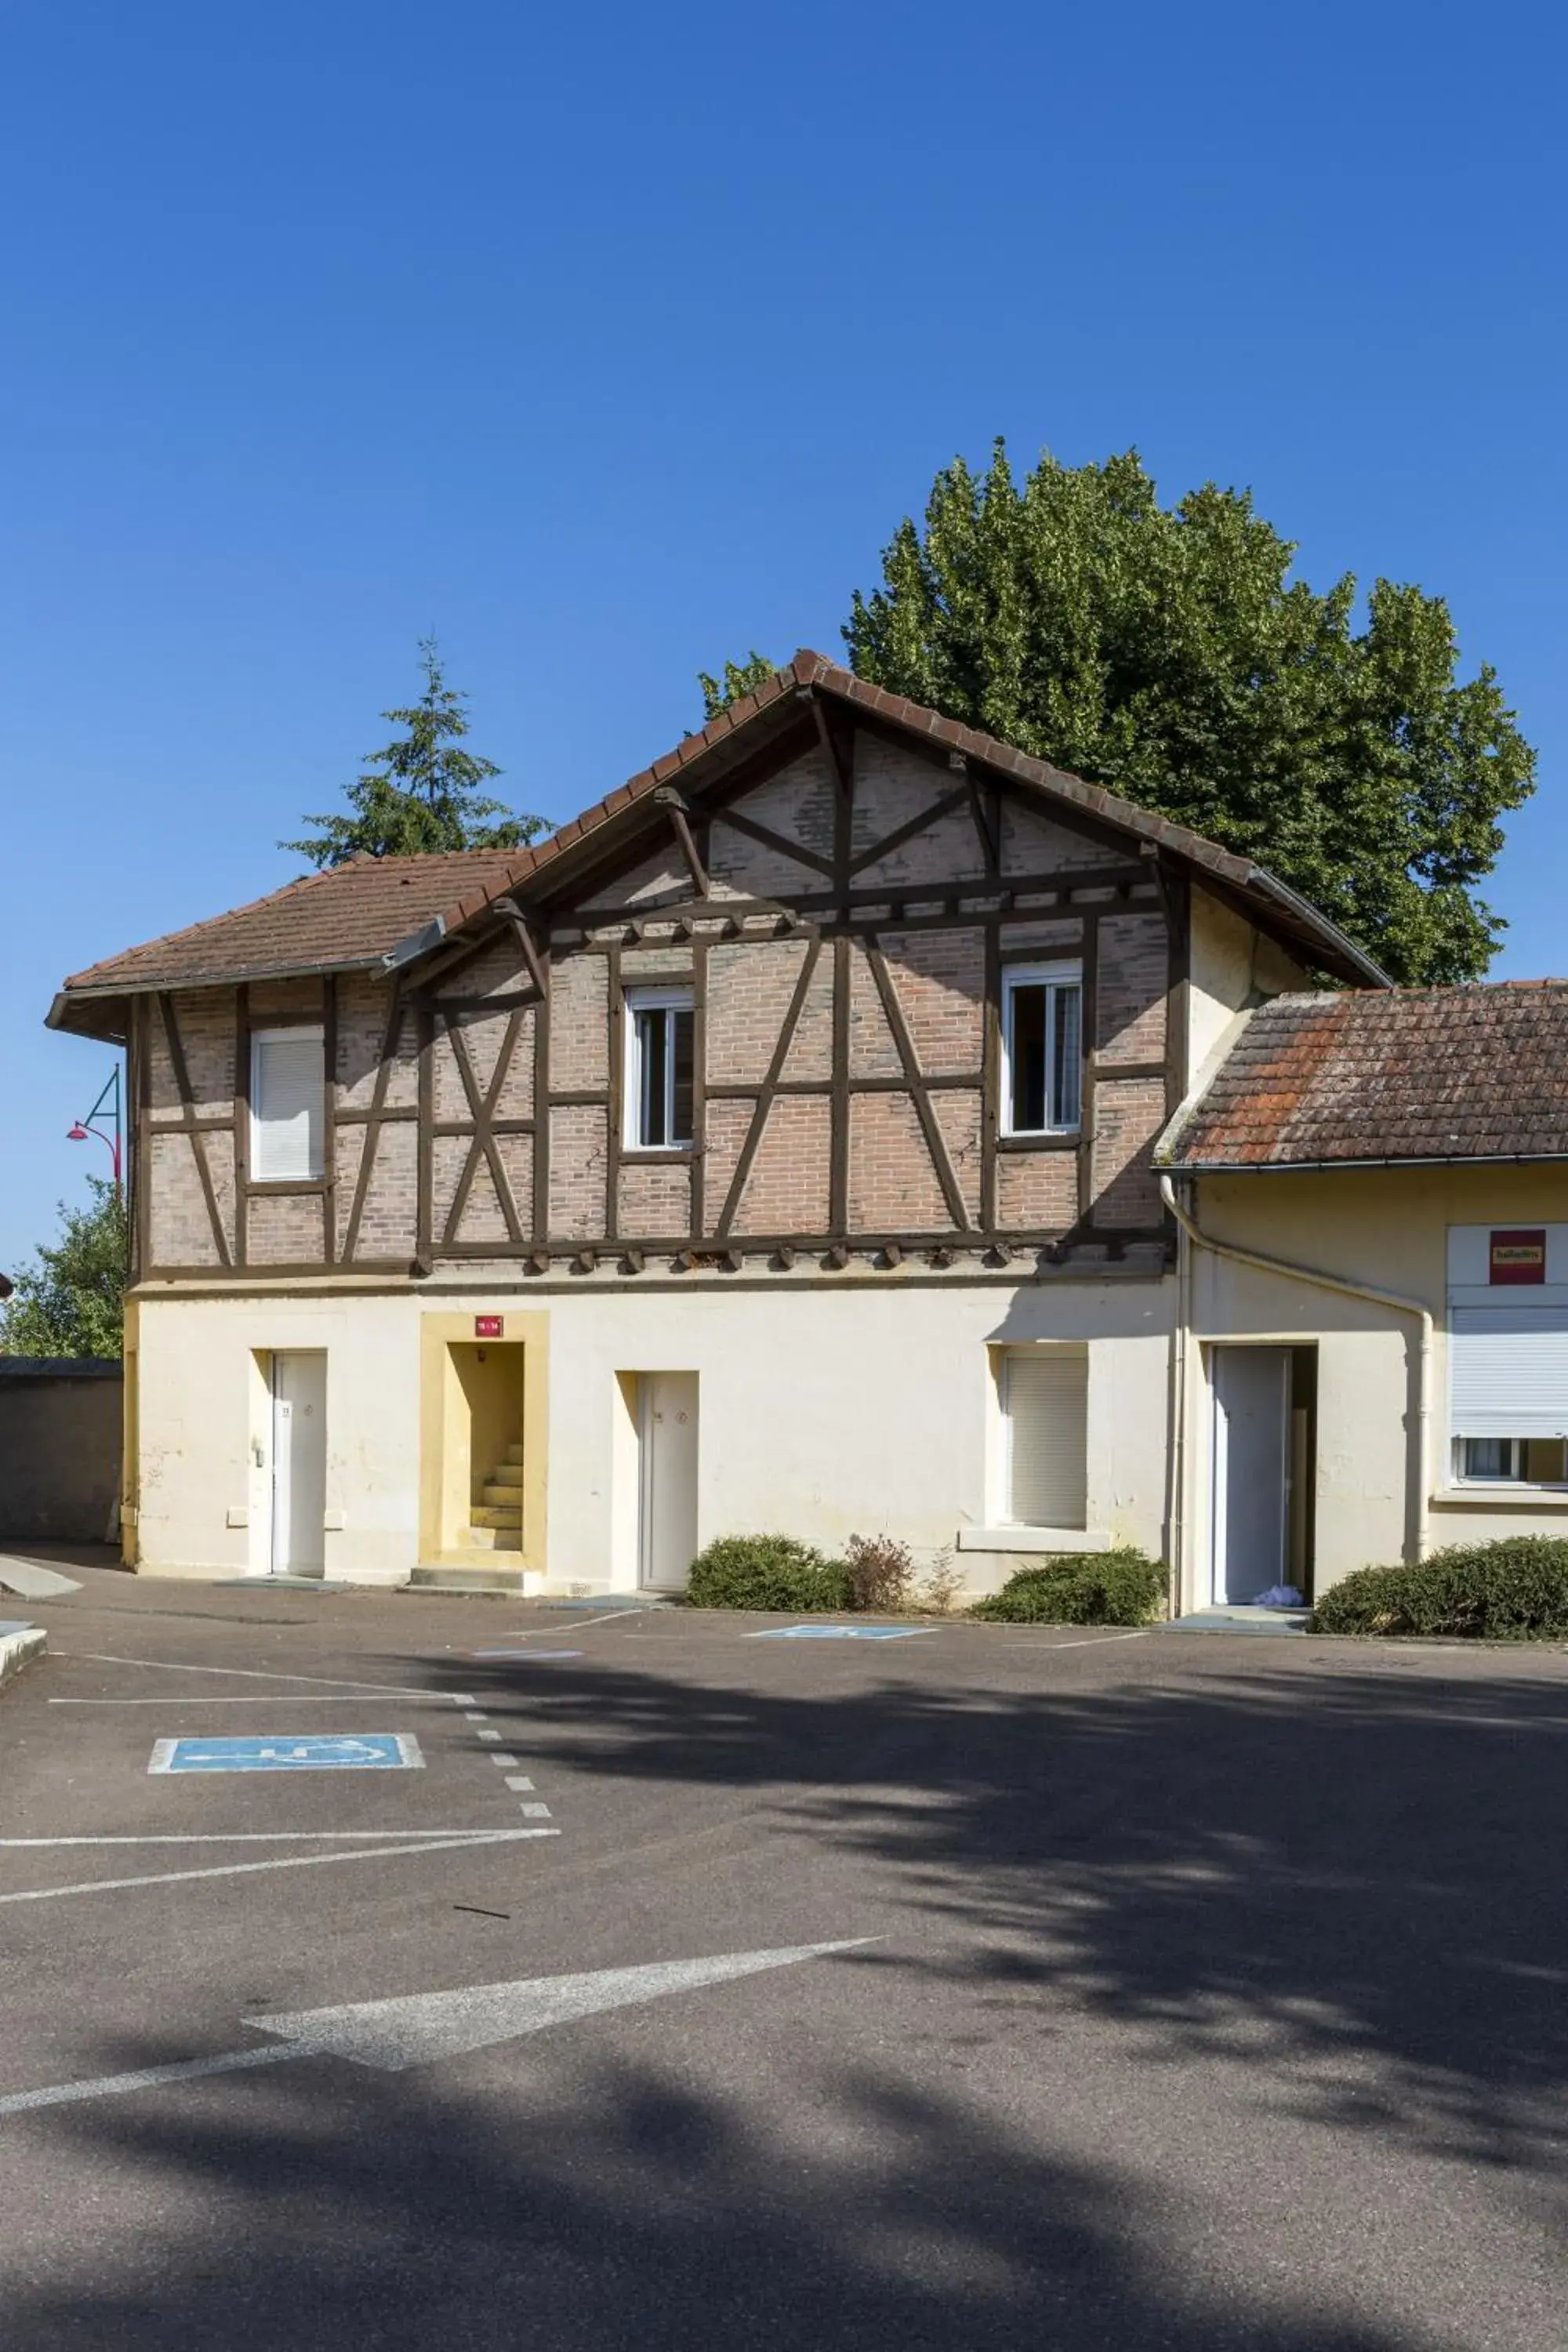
<point x="1416" y="1522"/>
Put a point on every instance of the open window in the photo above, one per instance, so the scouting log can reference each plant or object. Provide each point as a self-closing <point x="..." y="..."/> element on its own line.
<point x="660" y="1067"/>
<point x="287" y="1104"/>
<point x="1042" y="1048"/>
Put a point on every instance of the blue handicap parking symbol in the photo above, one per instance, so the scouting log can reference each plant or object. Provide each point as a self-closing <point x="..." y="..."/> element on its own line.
<point x="359" y="1751"/>
<point x="840" y="1633"/>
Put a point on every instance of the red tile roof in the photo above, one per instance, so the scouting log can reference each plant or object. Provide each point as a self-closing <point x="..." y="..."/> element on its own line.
<point x="348" y="916"/>
<point x="1416" y="1074"/>
<point x="358" y="914"/>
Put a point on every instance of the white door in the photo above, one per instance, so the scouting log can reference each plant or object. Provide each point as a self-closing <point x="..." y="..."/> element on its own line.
<point x="1251" y="1470"/>
<point x="667" y="1417"/>
<point x="298" y="1463"/>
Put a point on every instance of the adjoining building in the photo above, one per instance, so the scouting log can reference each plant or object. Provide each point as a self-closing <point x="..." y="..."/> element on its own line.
<point x="779" y="1146"/>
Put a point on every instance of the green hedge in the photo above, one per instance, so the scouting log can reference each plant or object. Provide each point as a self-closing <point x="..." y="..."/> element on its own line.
<point x="1123" y="1587"/>
<point x="1509" y="1591"/>
<point x="766" y="1572"/>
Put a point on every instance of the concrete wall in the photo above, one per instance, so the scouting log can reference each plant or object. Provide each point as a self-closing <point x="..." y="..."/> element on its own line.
<point x="1387" y="1227"/>
<point x="863" y="1405"/>
<point x="60" y="1449"/>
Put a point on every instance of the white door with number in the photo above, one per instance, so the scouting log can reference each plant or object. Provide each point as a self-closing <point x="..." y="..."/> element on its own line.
<point x="667" y="1433"/>
<point x="298" y="1463"/>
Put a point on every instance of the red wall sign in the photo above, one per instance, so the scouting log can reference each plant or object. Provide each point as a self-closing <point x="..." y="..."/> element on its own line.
<point x="491" y="1327"/>
<point x="1519" y="1256"/>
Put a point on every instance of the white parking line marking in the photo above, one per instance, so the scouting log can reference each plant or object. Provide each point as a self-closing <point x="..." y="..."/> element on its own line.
<point x="345" y="1697"/>
<point x="581" y="1624"/>
<point x="415" y="1845"/>
<point x="253" y="1837"/>
<point x="1094" y="1639"/>
<point x="246" y="1673"/>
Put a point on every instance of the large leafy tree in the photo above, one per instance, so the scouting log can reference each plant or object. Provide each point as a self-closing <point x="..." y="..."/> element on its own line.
<point x="739" y="678"/>
<point x="1167" y="653"/>
<point x="423" y="792"/>
<point x="70" y="1300"/>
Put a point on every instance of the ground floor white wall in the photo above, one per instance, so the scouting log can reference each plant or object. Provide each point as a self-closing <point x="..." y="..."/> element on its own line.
<point x="825" y="1410"/>
<point x="1379" y="1490"/>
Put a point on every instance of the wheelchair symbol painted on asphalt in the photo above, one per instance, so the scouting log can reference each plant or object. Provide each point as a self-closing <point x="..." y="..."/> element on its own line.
<point x="366" y="1751"/>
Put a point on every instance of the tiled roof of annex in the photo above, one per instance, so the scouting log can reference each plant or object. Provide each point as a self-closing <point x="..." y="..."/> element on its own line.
<point x="1475" y="1072"/>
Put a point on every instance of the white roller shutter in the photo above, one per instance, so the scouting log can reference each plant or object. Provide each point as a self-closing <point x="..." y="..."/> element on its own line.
<point x="286" y="1103"/>
<point x="1045" y="1399"/>
<point x="1507" y="1370"/>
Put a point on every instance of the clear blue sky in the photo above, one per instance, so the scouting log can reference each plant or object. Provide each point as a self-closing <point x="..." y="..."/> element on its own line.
<point x="606" y="341"/>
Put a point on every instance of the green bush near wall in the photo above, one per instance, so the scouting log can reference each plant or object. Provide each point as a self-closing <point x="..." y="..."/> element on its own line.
<point x="766" y="1572"/>
<point x="1514" y="1589"/>
<point x="1123" y="1587"/>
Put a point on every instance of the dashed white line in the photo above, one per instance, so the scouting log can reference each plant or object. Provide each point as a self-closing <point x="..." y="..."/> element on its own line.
<point x="534" y="1813"/>
<point x="487" y="1735"/>
<point x="519" y="1780"/>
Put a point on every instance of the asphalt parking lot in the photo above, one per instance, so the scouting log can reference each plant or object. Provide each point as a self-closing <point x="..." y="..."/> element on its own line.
<point x="987" y="1989"/>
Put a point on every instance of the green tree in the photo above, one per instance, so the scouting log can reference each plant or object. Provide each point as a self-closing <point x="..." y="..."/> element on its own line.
<point x="1167" y="653"/>
<point x="739" y="678"/>
<point x="421" y="793"/>
<point x="71" y="1301"/>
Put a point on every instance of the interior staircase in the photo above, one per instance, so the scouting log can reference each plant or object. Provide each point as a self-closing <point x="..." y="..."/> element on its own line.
<point x="494" y="1525"/>
<point x="495" y="1521"/>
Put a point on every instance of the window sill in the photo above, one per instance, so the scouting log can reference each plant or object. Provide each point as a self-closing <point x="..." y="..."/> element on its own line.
<point x="1516" y="1495"/>
<point x="1049" y="1139"/>
<point x="1017" y="1537"/>
<point x="647" y="1154"/>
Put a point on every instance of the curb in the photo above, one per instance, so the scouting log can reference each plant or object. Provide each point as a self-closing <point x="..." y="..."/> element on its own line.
<point x="17" y="1645"/>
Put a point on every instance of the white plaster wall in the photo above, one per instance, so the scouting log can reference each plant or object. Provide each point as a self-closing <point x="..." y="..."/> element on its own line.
<point x="1387" y="1227"/>
<point x="824" y="1410"/>
<point x="1232" y="966"/>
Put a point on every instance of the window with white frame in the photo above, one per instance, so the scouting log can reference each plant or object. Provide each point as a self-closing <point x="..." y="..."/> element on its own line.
<point x="1044" y="1411"/>
<point x="1042" y="1048"/>
<point x="287" y="1104"/>
<point x="661" y="1067"/>
<point x="1507" y="1354"/>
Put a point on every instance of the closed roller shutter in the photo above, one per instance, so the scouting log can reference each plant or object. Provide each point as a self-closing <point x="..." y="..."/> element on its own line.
<point x="1046" y="1404"/>
<point x="287" y="1101"/>
<point x="1507" y="1370"/>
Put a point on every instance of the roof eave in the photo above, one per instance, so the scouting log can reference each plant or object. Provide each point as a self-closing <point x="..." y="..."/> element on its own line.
<point x="1318" y="927"/>
<point x="1385" y="1160"/>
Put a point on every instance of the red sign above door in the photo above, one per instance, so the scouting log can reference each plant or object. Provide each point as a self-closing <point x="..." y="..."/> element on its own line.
<point x="1519" y="1256"/>
<point x="492" y="1327"/>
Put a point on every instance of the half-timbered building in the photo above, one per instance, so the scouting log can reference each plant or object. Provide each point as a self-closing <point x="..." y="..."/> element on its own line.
<point x="770" y="1148"/>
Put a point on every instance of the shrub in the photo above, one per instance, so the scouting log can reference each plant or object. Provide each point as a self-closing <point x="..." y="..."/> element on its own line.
<point x="766" y="1572"/>
<point x="880" y="1572"/>
<point x="1123" y="1587"/>
<point x="1507" y="1590"/>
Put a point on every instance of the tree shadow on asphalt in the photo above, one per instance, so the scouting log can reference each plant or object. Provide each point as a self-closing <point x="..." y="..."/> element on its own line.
<point x="612" y="2208"/>
<point x="1352" y="1885"/>
<point x="1358" y="1882"/>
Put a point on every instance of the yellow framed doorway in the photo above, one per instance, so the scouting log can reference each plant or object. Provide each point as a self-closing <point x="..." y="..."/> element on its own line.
<point x="483" y="1432"/>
